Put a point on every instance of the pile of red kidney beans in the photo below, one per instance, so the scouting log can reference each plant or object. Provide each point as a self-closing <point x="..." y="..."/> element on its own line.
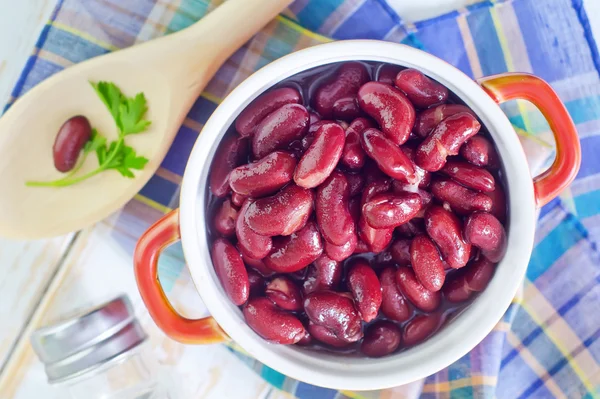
<point x="355" y="208"/>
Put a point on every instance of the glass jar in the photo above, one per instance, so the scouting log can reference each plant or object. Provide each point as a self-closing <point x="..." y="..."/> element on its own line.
<point x="101" y="353"/>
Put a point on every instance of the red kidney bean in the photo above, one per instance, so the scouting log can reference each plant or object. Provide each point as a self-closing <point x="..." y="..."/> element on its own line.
<point x="381" y="338"/>
<point x="295" y="149"/>
<point x="324" y="274"/>
<point x="390" y="108"/>
<point x="376" y="239"/>
<point x="371" y="171"/>
<point x="422" y="91"/>
<point x="427" y="263"/>
<point x="462" y="284"/>
<point x="366" y="290"/>
<point x="423" y="177"/>
<point x="479" y="274"/>
<point x="271" y="323"/>
<point x="455" y="288"/>
<point x="334" y="311"/>
<point x="256" y="264"/>
<point x="225" y="219"/>
<point x="312" y="129"/>
<point x="390" y="159"/>
<point x="257" y="283"/>
<point x="69" y="142"/>
<point x="353" y="156"/>
<point x="296" y="251"/>
<point x="341" y="252"/>
<point x="310" y="136"/>
<point x="480" y="152"/>
<point x="354" y="208"/>
<point x="331" y="207"/>
<point x="314" y="117"/>
<point x="345" y="83"/>
<point x="420" y="296"/>
<point x="325" y="335"/>
<point x="237" y="199"/>
<point x="251" y="244"/>
<point x="411" y="228"/>
<point x="231" y="271"/>
<point x="298" y="275"/>
<point x="356" y="182"/>
<point x="231" y="152"/>
<point x="445" y="230"/>
<point x="284" y="293"/>
<point x="420" y="328"/>
<point x="307" y="339"/>
<point x="281" y="214"/>
<point x="400" y="251"/>
<point x="263" y="177"/>
<point x="280" y="128"/>
<point x="361" y="247"/>
<point x="487" y="233"/>
<point x="321" y="157"/>
<point x="498" y="203"/>
<point x="391" y="210"/>
<point x="445" y="140"/>
<point x="469" y="175"/>
<point x="343" y="124"/>
<point x="461" y="199"/>
<point x="426" y="197"/>
<point x="428" y="119"/>
<point x="266" y="103"/>
<point x="378" y="186"/>
<point x="393" y="305"/>
<point x="346" y="109"/>
<point x="387" y="74"/>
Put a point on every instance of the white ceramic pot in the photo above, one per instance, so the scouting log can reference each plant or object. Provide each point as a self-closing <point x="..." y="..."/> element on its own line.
<point x="460" y="335"/>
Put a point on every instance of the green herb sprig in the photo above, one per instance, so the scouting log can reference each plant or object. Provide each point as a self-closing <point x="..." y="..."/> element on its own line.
<point x="129" y="115"/>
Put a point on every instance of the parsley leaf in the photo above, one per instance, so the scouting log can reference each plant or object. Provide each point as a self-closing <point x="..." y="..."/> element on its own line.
<point x="132" y="160"/>
<point x="96" y="141"/>
<point x="132" y="112"/>
<point x="111" y="96"/>
<point x="126" y="160"/>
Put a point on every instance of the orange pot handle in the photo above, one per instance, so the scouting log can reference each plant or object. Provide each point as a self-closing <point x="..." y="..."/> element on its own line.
<point x="513" y="86"/>
<point x="148" y="249"/>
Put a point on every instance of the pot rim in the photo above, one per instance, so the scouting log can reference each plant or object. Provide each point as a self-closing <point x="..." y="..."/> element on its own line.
<point x="462" y="333"/>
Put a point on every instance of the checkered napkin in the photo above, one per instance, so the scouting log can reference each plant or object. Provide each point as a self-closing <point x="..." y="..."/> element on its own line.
<point x="547" y="344"/>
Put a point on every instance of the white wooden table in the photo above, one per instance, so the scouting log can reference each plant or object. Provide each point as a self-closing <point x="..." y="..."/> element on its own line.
<point x="42" y="280"/>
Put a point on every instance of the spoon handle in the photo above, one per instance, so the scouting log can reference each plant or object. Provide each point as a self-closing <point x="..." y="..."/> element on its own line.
<point x="193" y="55"/>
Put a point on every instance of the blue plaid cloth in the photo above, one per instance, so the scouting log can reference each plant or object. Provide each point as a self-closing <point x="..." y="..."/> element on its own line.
<point x="547" y="344"/>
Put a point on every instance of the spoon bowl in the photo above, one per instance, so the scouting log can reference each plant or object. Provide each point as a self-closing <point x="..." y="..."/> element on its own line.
<point x="171" y="71"/>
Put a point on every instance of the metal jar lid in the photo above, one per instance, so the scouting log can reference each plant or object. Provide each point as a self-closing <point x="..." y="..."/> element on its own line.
<point x="82" y="343"/>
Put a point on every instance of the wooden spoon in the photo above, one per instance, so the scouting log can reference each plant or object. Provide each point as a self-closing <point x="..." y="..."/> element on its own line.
<point x="171" y="71"/>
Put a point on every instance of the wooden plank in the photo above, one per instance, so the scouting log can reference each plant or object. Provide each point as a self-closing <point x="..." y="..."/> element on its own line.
<point x="25" y="269"/>
<point x="97" y="268"/>
<point x="20" y="25"/>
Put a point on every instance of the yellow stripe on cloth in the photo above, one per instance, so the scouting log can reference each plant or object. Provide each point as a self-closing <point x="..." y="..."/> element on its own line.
<point x="508" y="59"/>
<point x="529" y="359"/>
<point x="534" y="303"/>
<point x="473" y="381"/>
<point x="470" y="50"/>
<point x="83" y="35"/>
<point x="302" y="30"/>
<point x="211" y="97"/>
<point x="152" y="204"/>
